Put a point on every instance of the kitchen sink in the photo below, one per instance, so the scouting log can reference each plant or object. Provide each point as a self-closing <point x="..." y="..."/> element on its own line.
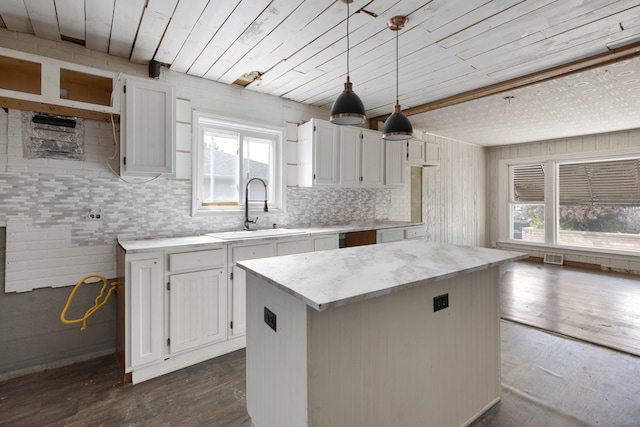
<point x="255" y="234"/>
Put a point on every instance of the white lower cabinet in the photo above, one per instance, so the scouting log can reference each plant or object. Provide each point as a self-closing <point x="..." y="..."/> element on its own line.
<point x="178" y="306"/>
<point x="248" y="251"/>
<point x="197" y="309"/>
<point x="175" y="310"/>
<point x="415" y="233"/>
<point x="294" y="246"/>
<point x="326" y="242"/>
<point x="401" y="233"/>
<point x="146" y="308"/>
<point x="389" y="235"/>
<point x="237" y="281"/>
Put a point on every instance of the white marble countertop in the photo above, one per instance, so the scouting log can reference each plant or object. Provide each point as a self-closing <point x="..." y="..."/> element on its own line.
<point x="342" y="276"/>
<point x="153" y="244"/>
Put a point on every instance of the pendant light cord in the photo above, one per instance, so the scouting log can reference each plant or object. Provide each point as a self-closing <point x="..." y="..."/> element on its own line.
<point x="397" y="72"/>
<point x="347" y="41"/>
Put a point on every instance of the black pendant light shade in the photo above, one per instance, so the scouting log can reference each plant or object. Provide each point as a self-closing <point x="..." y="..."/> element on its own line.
<point x="347" y="109"/>
<point x="397" y="127"/>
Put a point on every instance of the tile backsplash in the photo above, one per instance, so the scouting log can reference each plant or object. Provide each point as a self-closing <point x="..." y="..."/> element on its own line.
<point x="46" y="202"/>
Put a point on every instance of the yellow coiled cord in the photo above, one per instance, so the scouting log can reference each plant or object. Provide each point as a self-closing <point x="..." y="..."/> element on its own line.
<point x="97" y="304"/>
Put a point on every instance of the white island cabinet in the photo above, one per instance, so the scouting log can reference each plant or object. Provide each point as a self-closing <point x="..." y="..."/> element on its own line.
<point x="405" y="333"/>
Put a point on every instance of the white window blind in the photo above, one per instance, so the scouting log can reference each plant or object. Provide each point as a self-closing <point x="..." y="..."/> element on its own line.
<point x="528" y="183"/>
<point x="615" y="182"/>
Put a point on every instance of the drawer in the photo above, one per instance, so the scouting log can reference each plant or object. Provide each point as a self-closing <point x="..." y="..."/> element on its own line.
<point x="199" y="260"/>
<point x="293" y="247"/>
<point x="390" y="235"/>
<point x="415" y="233"/>
<point x="326" y="242"/>
<point x="242" y="253"/>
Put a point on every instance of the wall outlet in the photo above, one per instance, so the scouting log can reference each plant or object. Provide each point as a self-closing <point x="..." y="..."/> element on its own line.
<point x="270" y="318"/>
<point x="440" y="302"/>
<point x="95" y="214"/>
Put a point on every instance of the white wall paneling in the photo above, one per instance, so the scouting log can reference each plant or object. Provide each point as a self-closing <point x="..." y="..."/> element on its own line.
<point x="454" y="194"/>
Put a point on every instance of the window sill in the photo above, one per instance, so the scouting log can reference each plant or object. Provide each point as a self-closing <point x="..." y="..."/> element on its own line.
<point x="572" y="250"/>
<point x="238" y="212"/>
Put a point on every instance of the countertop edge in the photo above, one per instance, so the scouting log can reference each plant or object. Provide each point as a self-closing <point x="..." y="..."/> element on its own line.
<point x="133" y="245"/>
<point x="322" y="306"/>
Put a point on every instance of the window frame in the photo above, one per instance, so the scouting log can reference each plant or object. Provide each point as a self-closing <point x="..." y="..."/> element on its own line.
<point x="203" y="121"/>
<point x="551" y="194"/>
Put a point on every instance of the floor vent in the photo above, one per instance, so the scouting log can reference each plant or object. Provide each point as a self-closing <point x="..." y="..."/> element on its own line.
<point x="554" y="259"/>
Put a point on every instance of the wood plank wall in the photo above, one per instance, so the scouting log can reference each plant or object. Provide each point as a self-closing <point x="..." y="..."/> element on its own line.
<point x="454" y="194"/>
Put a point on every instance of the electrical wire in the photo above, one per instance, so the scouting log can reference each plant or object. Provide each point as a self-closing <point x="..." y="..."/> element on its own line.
<point x="96" y="305"/>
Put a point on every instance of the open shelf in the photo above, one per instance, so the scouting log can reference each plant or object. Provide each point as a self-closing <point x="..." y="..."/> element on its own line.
<point x="20" y="75"/>
<point x="84" y="87"/>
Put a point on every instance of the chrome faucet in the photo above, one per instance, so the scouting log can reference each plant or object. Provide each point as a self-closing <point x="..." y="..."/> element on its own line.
<point x="248" y="221"/>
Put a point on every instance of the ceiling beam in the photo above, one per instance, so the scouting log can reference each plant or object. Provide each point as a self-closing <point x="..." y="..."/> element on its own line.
<point x="614" y="55"/>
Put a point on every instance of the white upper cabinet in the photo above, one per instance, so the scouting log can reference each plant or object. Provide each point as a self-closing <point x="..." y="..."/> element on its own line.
<point x="372" y="158"/>
<point x="393" y="163"/>
<point x="350" y="143"/>
<point x="361" y="157"/>
<point x="318" y="150"/>
<point x="414" y="151"/>
<point x="421" y="153"/>
<point x="148" y="146"/>
<point x="432" y="154"/>
<point x="346" y="156"/>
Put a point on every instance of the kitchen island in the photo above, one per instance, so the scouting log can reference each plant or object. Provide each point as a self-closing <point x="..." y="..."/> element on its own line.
<point x="351" y="337"/>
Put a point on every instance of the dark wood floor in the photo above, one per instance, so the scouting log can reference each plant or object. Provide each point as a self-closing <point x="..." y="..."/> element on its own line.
<point x="91" y="394"/>
<point x="599" y="307"/>
<point x="547" y="379"/>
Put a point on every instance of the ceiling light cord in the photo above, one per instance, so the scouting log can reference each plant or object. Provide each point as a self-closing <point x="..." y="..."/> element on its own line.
<point x="397" y="72"/>
<point x="397" y="127"/>
<point x="347" y="109"/>
<point x="348" y="42"/>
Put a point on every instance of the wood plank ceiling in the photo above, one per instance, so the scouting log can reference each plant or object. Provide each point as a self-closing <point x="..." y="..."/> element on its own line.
<point x="448" y="47"/>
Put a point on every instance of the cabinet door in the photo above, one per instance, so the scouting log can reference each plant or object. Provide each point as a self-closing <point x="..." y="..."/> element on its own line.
<point x="390" y="235"/>
<point x="293" y="246"/>
<point x="415" y="151"/>
<point x="326" y="151"/>
<point x="324" y="243"/>
<point x="147" y="311"/>
<point x="197" y="309"/>
<point x="350" y="138"/>
<point x="372" y="154"/>
<point x="393" y="163"/>
<point x="149" y="128"/>
<point x="237" y="284"/>
<point x="238" y="303"/>
<point x="432" y="153"/>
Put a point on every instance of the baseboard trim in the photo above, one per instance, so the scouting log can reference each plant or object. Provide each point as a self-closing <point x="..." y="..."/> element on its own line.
<point x="57" y="364"/>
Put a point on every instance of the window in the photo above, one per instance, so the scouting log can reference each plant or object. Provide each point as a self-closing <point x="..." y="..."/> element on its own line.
<point x="599" y="204"/>
<point x="588" y="204"/>
<point x="228" y="154"/>
<point x="526" y="203"/>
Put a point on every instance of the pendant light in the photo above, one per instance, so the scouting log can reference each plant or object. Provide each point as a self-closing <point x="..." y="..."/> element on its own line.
<point x="397" y="127"/>
<point x="347" y="108"/>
